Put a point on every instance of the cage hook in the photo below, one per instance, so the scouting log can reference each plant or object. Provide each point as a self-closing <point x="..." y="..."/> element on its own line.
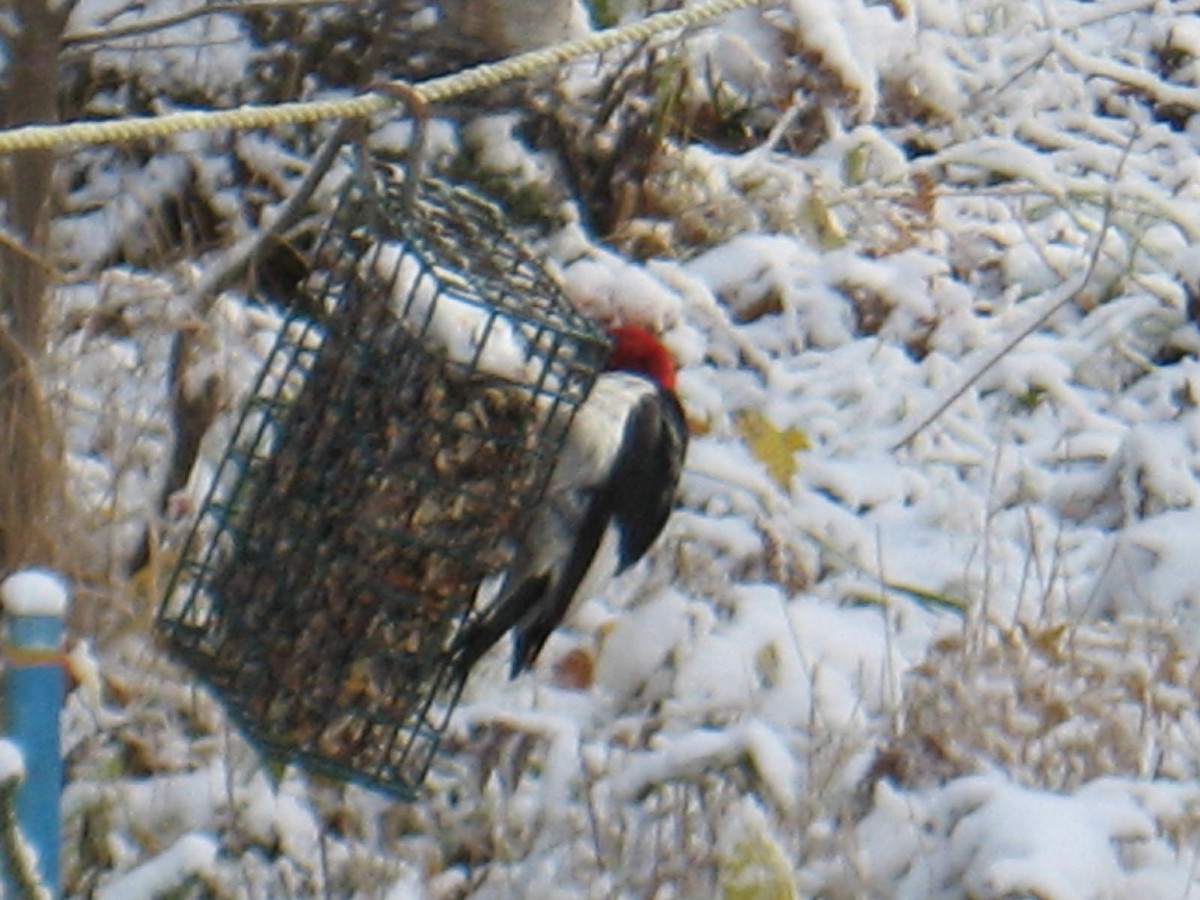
<point x="418" y="109"/>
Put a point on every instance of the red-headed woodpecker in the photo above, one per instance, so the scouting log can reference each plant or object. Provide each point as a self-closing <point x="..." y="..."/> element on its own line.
<point x="609" y="497"/>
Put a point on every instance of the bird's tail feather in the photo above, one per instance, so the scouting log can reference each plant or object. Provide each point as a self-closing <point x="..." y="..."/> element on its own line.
<point x="477" y="637"/>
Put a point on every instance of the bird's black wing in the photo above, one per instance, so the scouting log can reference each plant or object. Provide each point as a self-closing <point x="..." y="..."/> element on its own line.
<point x="645" y="483"/>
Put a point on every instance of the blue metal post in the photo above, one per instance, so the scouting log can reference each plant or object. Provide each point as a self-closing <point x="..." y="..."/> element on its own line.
<point x="34" y="687"/>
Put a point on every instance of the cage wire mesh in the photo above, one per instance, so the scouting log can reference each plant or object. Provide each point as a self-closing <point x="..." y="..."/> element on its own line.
<point x="401" y="429"/>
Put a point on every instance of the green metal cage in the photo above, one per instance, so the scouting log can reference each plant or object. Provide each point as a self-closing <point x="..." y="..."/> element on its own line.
<point x="400" y="430"/>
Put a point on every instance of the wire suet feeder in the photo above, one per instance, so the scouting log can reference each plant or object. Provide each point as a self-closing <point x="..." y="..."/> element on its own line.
<point x="401" y="429"/>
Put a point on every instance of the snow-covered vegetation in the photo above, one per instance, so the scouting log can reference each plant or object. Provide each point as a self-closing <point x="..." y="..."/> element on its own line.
<point x="926" y="624"/>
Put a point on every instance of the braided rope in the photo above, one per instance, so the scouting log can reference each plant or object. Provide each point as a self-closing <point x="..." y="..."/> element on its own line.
<point x="44" y="137"/>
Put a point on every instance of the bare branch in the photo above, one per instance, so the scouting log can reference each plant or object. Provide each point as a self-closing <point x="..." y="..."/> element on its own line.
<point x="105" y="35"/>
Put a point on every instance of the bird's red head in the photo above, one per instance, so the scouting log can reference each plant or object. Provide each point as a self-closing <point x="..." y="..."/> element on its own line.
<point x="635" y="349"/>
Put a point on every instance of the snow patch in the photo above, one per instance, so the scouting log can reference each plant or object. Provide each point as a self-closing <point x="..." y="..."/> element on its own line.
<point x="191" y="855"/>
<point x="35" y="592"/>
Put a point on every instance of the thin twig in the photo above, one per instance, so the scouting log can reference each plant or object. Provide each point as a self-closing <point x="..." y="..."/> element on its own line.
<point x="104" y="35"/>
<point x="20" y="874"/>
<point x="1039" y="320"/>
<point x="238" y="258"/>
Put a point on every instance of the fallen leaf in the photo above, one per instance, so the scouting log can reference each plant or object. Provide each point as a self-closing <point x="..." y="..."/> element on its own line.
<point x="576" y="671"/>
<point x="774" y="447"/>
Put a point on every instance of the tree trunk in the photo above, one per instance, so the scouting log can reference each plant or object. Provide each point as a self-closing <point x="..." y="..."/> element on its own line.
<point x="30" y="441"/>
<point x="32" y="97"/>
<point x="31" y="457"/>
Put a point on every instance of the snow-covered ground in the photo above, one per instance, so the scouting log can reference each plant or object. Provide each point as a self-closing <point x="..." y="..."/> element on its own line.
<point x="927" y="623"/>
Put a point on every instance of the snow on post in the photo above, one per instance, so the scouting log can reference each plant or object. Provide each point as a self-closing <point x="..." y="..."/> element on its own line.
<point x="35" y="602"/>
<point x="35" y="593"/>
